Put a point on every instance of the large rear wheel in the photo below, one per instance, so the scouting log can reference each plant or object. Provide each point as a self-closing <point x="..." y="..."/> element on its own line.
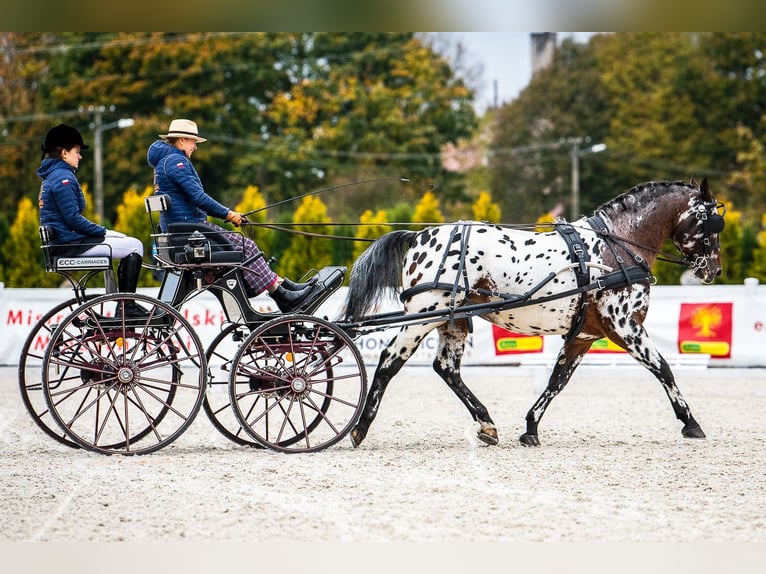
<point x="30" y="371"/>
<point x="122" y="385"/>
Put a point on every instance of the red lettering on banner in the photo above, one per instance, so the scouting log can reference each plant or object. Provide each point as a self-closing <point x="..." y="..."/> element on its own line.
<point x="21" y="317"/>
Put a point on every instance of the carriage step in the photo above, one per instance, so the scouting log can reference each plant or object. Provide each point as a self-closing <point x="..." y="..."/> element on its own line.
<point x="326" y="281"/>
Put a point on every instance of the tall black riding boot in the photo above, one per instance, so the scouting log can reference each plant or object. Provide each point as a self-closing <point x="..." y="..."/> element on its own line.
<point x="288" y="300"/>
<point x="128" y="272"/>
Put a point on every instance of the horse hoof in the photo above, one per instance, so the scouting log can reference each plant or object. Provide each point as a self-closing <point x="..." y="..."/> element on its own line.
<point x="488" y="435"/>
<point x="693" y="431"/>
<point x="529" y="440"/>
<point x="357" y="437"/>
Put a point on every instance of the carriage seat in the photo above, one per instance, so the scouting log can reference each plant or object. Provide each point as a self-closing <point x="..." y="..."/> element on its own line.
<point x="172" y="244"/>
<point x="69" y="265"/>
<point x="222" y="250"/>
<point x="58" y="263"/>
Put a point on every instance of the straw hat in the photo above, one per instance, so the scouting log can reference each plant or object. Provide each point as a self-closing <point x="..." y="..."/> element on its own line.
<point x="183" y="129"/>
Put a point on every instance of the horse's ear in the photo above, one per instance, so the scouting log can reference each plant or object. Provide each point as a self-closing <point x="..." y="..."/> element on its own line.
<point x="705" y="190"/>
<point x="693" y="182"/>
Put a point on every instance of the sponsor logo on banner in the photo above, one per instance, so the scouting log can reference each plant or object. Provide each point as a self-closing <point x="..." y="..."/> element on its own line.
<point x="509" y="343"/>
<point x="605" y="345"/>
<point x="705" y="328"/>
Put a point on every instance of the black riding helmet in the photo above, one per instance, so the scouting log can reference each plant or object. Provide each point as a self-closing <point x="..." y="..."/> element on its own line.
<point x="62" y="136"/>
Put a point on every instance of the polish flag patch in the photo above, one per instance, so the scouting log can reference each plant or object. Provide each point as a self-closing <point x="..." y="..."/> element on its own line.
<point x="180" y="164"/>
<point x="64" y="182"/>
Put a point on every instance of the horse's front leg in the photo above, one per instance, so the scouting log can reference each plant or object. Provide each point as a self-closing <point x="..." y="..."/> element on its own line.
<point x="641" y="348"/>
<point x="447" y="366"/>
<point x="392" y="359"/>
<point x="567" y="361"/>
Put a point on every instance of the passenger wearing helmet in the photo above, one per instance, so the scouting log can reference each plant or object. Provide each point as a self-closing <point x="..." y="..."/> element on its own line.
<point x="61" y="203"/>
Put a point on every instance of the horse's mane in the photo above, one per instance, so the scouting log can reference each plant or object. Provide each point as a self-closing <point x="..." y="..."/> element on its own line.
<point x="640" y="195"/>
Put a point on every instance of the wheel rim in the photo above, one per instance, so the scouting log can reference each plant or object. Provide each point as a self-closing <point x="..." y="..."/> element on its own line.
<point x="30" y="370"/>
<point x="297" y="384"/>
<point x="217" y="403"/>
<point x="124" y="386"/>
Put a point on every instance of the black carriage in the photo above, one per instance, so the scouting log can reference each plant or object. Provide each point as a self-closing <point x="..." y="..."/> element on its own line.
<point x="110" y="383"/>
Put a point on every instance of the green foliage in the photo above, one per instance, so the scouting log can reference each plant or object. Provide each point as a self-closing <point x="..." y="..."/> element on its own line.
<point x="372" y="226"/>
<point x="253" y="200"/>
<point x="21" y="250"/>
<point x="427" y="211"/>
<point x="307" y="253"/>
<point x="668" y="106"/>
<point x="132" y="219"/>
<point x="485" y="210"/>
<point x="285" y="112"/>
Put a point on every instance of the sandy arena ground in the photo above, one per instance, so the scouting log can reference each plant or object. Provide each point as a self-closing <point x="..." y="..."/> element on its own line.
<point x="613" y="467"/>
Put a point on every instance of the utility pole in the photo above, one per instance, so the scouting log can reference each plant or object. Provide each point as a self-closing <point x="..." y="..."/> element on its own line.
<point x="575" y="153"/>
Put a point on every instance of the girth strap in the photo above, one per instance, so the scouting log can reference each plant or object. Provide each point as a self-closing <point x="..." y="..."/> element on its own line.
<point x="578" y="254"/>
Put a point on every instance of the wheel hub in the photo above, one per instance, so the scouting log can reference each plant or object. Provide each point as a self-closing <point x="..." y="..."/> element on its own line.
<point x="298" y="385"/>
<point x="125" y="375"/>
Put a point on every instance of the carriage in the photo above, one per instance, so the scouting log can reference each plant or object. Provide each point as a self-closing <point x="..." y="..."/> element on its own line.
<point x="297" y="382"/>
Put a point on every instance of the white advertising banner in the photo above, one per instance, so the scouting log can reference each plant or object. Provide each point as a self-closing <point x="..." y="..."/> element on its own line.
<point x="717" y="325"/>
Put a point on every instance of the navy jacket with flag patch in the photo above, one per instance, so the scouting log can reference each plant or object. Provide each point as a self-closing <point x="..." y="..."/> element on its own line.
<point x="174" y="175"/>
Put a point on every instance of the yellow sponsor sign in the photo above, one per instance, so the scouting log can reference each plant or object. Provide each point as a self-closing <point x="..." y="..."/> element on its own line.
<point x="606" y="346"/>
<point x="531" y="344"/>
<point x="712" y="348"/>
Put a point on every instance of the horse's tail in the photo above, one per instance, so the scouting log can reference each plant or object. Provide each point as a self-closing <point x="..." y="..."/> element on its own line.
<point x="377" y="273"/>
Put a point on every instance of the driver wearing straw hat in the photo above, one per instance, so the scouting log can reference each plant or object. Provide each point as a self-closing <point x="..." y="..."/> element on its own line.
<point x="175" y="176"/>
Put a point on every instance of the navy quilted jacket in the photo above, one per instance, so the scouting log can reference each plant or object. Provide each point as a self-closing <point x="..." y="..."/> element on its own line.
<point x="61" y="203"/>
<point x="175" y="176"/>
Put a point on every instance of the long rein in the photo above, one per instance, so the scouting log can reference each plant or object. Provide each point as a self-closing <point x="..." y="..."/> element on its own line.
<point x="603" y="233"/>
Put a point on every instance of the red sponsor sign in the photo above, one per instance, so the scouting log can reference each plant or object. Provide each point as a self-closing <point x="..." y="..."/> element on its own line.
<point x="705" y="328"/>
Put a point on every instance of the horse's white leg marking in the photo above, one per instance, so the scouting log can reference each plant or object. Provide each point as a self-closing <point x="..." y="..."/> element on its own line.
<point x="447" y="365"/>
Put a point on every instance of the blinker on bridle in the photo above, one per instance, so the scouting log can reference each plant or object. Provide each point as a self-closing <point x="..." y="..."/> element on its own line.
<point x="712" y="224"/>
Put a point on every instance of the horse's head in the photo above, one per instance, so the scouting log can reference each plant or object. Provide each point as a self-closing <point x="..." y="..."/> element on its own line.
<point x="696" y="234"/>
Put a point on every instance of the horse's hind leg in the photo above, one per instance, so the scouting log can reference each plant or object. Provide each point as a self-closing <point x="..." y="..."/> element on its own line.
<point x="447" y="365"/>
<point x="567" y="361"/>
<point x="392" y="359"/>
<point x="641" y="348"/>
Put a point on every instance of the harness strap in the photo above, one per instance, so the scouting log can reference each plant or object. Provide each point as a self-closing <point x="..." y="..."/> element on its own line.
<point x="454" y="288"/>
<point x="577" y="254"/>
<point x="598" y="224"/>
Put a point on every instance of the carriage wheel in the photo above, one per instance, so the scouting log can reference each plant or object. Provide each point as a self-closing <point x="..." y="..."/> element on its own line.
<point x="31" y="364"/>
<point x="217" y="404"/>
<point x="127" y="386"/>
<point x="297" y="384"/>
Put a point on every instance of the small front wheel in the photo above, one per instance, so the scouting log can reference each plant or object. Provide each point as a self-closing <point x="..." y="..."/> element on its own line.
<point x="297" y="384"/>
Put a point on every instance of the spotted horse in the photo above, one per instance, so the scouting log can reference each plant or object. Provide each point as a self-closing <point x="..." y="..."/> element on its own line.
<point x="584" y="280"/>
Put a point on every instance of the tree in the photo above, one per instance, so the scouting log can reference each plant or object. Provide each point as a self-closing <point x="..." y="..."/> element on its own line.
<point x="253" y="201"/>
<point x="22" y="251"/>
<point x="132" y="219"/>
<point x="529" y="154"/>
<point x="485" y="210"/>
<point x="283" y="111"/>
<point x="372" y="227"/>
<point x="307" y="253"/>
<point x="427" y="210"/>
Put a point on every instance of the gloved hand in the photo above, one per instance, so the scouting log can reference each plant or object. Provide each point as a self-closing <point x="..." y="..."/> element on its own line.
<point x="113" y="233"/>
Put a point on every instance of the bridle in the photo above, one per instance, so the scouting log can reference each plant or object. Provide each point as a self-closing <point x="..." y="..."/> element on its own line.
<point x="706" y="212"/>
<point x="713" y="224"/>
